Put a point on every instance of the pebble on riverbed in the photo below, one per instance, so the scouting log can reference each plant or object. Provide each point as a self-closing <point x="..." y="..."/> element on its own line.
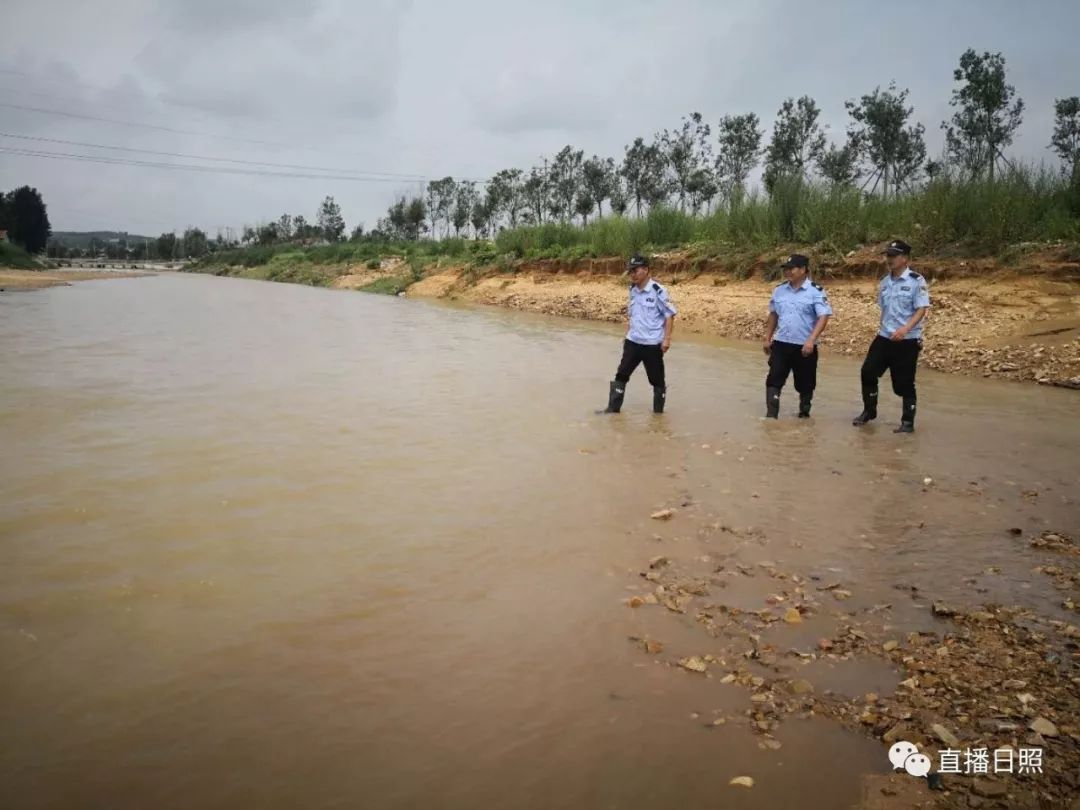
<point x="988" y="677"/>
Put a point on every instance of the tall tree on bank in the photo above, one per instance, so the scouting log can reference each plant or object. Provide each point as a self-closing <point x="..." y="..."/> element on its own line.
<point x="987" y="113"/>
<point x="565" y="177"/>
<point x="464" y="201"/>
<point x="440" y="201"/>
<point x="415" y="214"/>
<point x="619" y="202"/>
<point x="894" y="150"/>
<point x="536" y="190"/>
<point x="643" y="171"/>
<point x="598" y="181"/>
<point x="508" y="192"/>
<point x="839" y="165"/>
<point x="797" y="141"/>
<point x="26" y="219"/>
<point x="285" y="227"/>
<point x="331" y="223"/>
<point x="702" y="189"/>
<point x="686" y="151"/>
<point x="482" y="214"/>
<point x="195" y="243"/>
<point x="740" y="150"/>
<point x="1066" y="138"/>
<point x="166" y="244"/>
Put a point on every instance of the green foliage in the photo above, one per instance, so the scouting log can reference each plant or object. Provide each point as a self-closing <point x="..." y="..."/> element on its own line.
<point x="740" y="150"/>
<point x="24" y="216"/>
<point x="391" y="285"/>
<point x="14" y="256"/>
<point x="1023" y="205"/>
<point x="331" y="223"/>
<point x="987" y="113"/>
<point x="797" y="141"/>
<point x="1066" y="138"/>
<point x="894" y="151"/>
<point x="416" y="267"/>
<point x="297" y="274"/>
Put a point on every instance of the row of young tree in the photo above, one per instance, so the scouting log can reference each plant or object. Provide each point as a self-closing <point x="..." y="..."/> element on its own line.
<point x="694" y="168"/>
<point x="193" y="243"/>
<point x="25" y="218"/>
<point x="329" y="226"/>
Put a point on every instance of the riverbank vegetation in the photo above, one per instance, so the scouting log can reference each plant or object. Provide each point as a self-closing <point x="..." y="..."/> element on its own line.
<point x="12" y="255"/>
<point x="690" y="189"/>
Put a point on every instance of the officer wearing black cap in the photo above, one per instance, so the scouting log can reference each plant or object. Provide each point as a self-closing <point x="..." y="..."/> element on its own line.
<point x="650" y="321"/>
<point x="904" y="300"/>
<point x="798" y="312"/>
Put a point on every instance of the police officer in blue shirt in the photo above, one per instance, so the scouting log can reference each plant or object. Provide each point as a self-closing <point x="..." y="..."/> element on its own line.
<point x="904" y="301"/>
<point x="798" y="312"/>
<point x="650" y="321"/>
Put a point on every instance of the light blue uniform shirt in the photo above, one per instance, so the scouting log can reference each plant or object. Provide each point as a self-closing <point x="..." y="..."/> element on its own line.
<point x="898" y="299"/>
<point x="648" y="309"/>
<point x="797" y="310"/>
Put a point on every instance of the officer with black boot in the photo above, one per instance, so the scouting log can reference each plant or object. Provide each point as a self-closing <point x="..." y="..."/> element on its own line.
<point x="650" y="321"/>
<point x="904" y="300"/>
<point x="798" y="313"/>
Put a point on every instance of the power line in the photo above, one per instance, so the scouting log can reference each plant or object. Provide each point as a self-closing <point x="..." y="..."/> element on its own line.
<point x="190" y="167"/>
<point x="120" y="122"/>
<point x="405" y="178"/>
<point x="210" y="157"/>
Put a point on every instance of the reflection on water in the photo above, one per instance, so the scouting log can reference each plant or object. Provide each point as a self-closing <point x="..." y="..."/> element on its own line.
<point x="280" y="547"/>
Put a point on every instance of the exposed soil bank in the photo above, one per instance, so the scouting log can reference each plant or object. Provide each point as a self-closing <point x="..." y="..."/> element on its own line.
<point x="986" y="320"/>
<point x="37" y="279"/>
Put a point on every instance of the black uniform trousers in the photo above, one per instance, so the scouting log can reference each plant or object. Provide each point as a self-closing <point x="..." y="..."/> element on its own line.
<point x="635" y="353"/>
<point x="899" y="357"/>
<point x="785" y="358"/>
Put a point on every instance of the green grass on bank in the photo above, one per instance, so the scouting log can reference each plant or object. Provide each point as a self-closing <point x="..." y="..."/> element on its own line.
<point x="973" y="217"/>
<point x="346" y="253"/>
<point x="391" y="285"/>
<point x="946" y="216"/>
<point x="14" y="256"/>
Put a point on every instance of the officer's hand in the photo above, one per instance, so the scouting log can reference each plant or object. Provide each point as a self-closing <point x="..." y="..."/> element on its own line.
<point x="899" y="334"/>
<point x="808" y="348"/>
<point x="665" y="345"/>
<point x="767" y="346"/>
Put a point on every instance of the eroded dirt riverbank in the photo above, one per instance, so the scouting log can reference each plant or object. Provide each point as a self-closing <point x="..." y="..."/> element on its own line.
<point x="39" y="279"/>
<point x="1004" y="326"/>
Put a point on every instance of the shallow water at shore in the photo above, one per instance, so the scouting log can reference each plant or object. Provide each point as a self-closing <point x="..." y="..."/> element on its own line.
<point x="275" y="546"/>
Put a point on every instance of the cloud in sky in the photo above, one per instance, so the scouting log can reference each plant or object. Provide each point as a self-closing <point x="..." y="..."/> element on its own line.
<point x="463" y="89"/>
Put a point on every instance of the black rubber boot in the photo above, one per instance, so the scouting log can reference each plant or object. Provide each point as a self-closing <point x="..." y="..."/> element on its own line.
<point x="907" y="417"/>
<point x="659" y="396"/>
<point x="616" y="392"/>
<point x="772" y="403"/>
<point x="869" y="399"/>
<point x="804" y="405"/>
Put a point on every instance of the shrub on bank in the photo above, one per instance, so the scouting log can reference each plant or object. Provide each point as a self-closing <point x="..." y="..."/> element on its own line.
<point x="974" y="216"/>
<point x="14" y="256"/>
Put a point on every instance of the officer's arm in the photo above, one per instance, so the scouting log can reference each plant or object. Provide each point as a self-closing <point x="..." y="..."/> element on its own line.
<point x="823" y="309"/>
<point x="920" y="313"/>
<point x="770" y="327"/>
<point x="819" y="327"/>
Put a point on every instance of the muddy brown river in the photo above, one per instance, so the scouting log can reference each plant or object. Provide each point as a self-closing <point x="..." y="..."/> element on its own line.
<point x="271" y="546"/>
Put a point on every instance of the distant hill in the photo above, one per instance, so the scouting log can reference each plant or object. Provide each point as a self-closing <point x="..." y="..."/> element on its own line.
<point x="81" y="239"/>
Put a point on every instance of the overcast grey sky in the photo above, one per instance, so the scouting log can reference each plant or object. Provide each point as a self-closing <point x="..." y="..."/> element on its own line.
<point x="462" y="88"/>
